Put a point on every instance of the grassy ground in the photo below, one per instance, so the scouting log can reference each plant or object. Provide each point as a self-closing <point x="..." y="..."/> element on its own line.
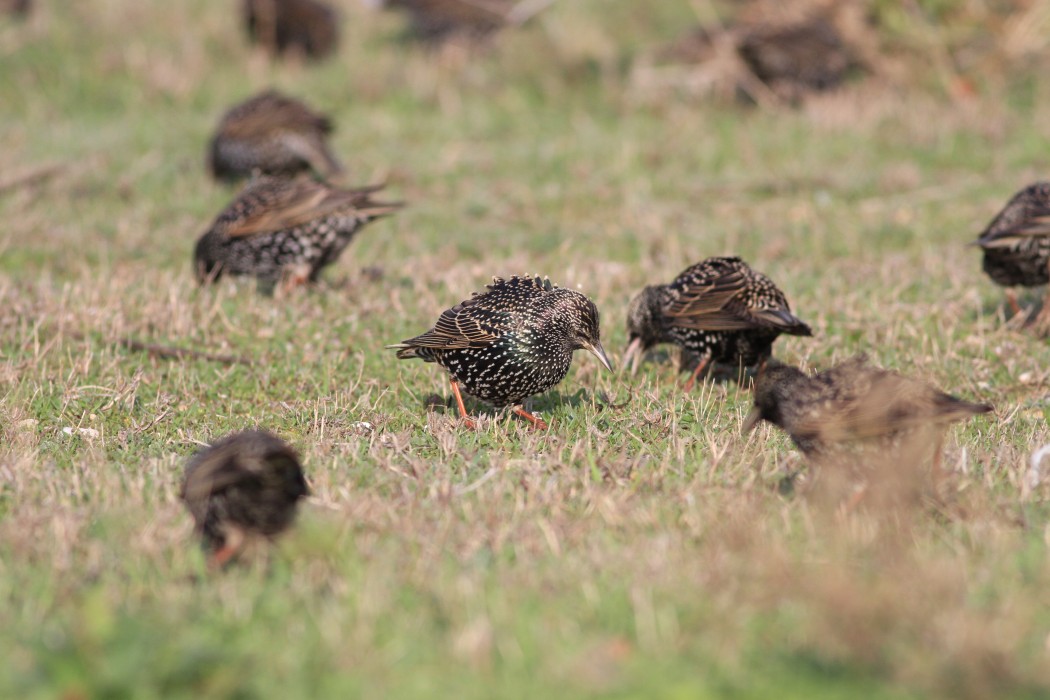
<point x="637" y="550"/>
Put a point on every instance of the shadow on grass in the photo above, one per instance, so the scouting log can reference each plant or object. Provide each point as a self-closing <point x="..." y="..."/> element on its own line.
<point x="544" y="404"/>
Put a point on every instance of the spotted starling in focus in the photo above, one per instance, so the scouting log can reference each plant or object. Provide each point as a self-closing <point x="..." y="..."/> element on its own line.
<point x="307" y="27"/>
<point x="795" y="59"/>
<point x="511" y="342"/>
<point x="285" y="229"/>
<point x="246" y="485"/>
<point x="720" y="309"/>
<point x="1016" y="246"/>
<point x="851" y="403"/>
<point x="273" y="134"/>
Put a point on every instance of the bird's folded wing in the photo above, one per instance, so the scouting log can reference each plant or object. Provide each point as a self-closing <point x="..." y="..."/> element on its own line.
<point x="465" y="325"/>
<point x="300" y="201"/>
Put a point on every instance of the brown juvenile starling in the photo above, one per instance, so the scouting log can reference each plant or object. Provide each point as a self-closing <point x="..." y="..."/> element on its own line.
<point x="308" y="27"/>
<point x="273" y="134"/>
<point x="511" y="342"/>
<point x="286" y="230"/>
<point x="720" y="309"/>
<point x="850" y="404"/>
<point x="1016" y="246"/>
<point x="247" y="484"/>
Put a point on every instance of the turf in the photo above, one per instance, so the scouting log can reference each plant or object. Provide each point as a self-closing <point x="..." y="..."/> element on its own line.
<point x="641" y="547"/>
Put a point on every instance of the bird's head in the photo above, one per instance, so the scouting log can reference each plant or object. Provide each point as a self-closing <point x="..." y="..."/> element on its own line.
<point x="773" y="384"/>
<point x="644" y="324"/>
<point x="585" y="332"/>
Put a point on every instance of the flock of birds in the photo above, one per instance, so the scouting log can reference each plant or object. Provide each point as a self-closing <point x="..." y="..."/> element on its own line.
<point x="516" y="339"/>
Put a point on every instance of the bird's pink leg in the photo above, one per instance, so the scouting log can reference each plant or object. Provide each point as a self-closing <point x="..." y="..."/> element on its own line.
<point x="537" y="423"/>
<point x="696" y="372"/>
<point x="462" y="409"/>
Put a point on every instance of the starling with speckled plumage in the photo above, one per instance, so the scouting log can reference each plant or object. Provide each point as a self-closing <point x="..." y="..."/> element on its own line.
<point x="1016" y="246"/>
<point x="274" y="135"/>
<point x="306" y="27"/>
<point x="511" y="342"/>
<point x="852" y="403"/>
<point x="280" y="229"/>
<point x="246" y="485"/>
<point x="720" y="309"/>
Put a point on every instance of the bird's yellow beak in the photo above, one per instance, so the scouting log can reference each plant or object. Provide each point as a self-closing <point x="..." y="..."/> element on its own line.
<point x="599" y="352"/>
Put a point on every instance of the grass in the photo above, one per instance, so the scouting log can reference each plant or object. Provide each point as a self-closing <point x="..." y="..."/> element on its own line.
<point x="631" y="551"/>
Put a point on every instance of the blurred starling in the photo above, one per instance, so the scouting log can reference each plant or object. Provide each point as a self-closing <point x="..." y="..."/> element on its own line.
<point x="1016" y="245"/>
<point x="511" y="342"/>
<point x="308" y="27"/>
<point x="274" y="134"/>
<point x="247" y="484"/>
<point x="851" y="403"/>
<point x="795" y="59"/>
<point x="720" y="309"/>
<point x="18" y="8"/>
<point x="285" y="228"/>
<point x="437" y="21"/>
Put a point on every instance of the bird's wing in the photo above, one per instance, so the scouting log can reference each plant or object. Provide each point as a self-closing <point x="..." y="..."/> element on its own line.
<point x="1012" y="226"/>
<point x="484" y="318"/>
<point x="465" y="325"/>
<point x="713" y="306"/>
<point x="1033" y="227"/>
<point x="286" y="204"/>
<point x="312" y="149"/>
<point x="871" y="403"/>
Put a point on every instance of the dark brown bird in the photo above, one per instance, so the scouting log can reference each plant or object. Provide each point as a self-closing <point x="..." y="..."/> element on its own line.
<point x="246" y="485"/>
<point x="438" y="21"/>
<point x="795" y="59"/>
<point x="18" y="8"/>
<point x="274" y="135"/>
<point x="1016" y="246"/>
<point x="511" y="342"/>
<point x="307" y="27"/>
<point x="720" y="309"/>
<point x="285" y="229"/>
<point x="852" y="403"/>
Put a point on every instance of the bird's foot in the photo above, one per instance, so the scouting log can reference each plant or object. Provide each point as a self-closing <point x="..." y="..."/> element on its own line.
<point x="696" y="373"/>
<point x="1041" y="323"/>
<point x="293" y="277"/>
<point x="221" y="557"/>
<point x="467" y="420"/>
<point x="537" y="423"/>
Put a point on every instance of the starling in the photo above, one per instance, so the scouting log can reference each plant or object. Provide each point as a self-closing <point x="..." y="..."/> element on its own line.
<point x="438" y="21"/>
<point x="850" y="404"/>
<point x="307" y="27"/>
<point x="247" y="484"/>
<point x="16" y="8"/>
<point x="720" y="309"/>
<point x="1016" y="246"/>
<point x="285" y="229"/>
<point x="795" y="59"/>
<point x="511" y="342"/>
<point x="274" y="134"/>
